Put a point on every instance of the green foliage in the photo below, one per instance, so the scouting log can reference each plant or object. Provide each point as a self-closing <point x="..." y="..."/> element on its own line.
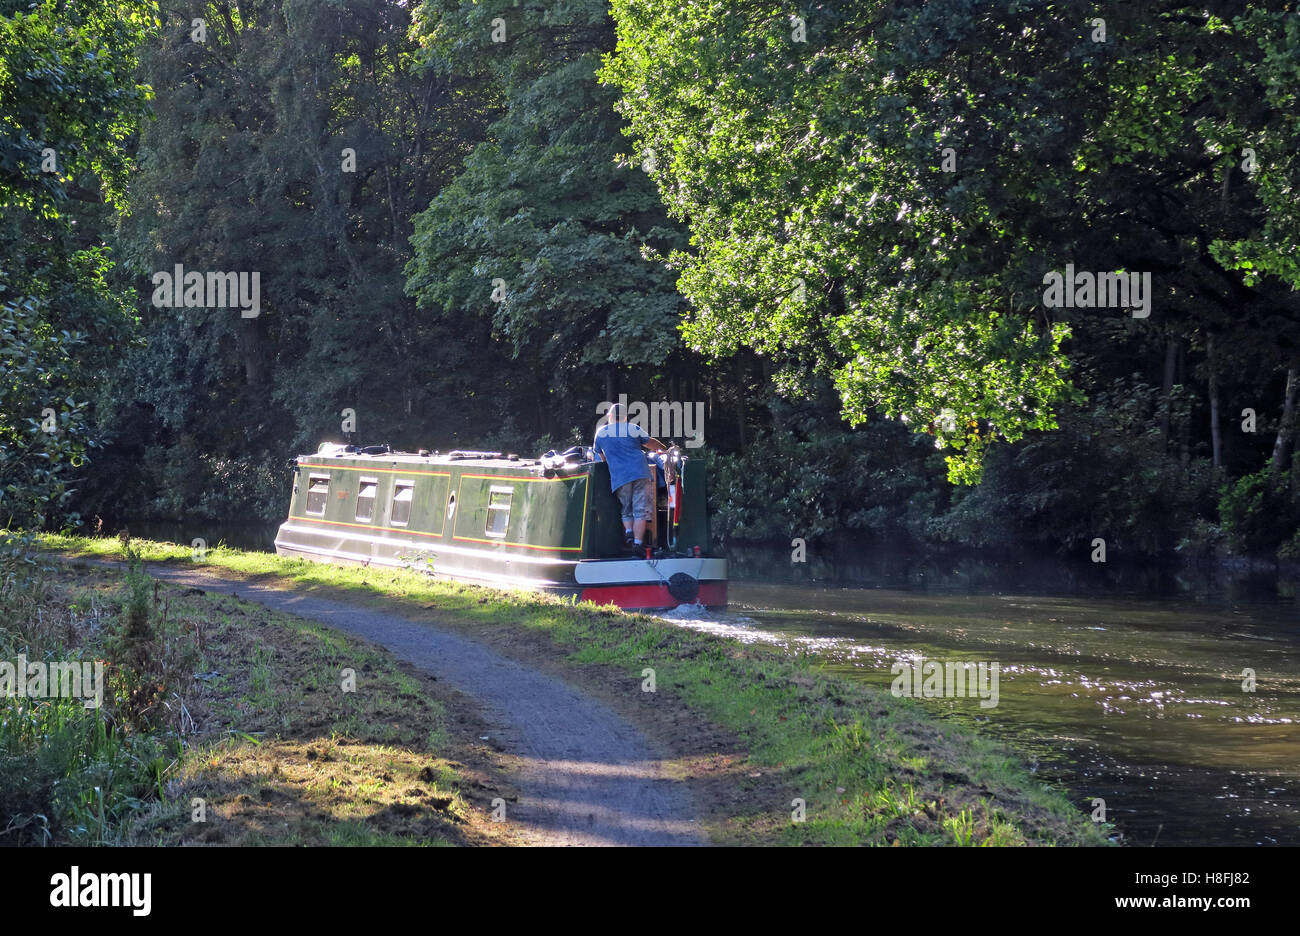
<point x="822" y="224"/>
<point x="67" y="84"/>
<point x="544" y="214"/>
<point x="68" y="103"/>
<point x="1105" y="473"/>
<point x="829" y="247"/>
<point x="243" y="168"/>
<point x="136" y="632"/>
<point x="153" y="661"/>
<point x="826" y="226"/>
<point x="811" y="476"/>
<point x="69" y="773"/>
<point x="1269" y="249"/>
<point x="1261" y="511"/>
<point x="43" y="433"/>
<point x="65" y="775"/>
<point x="24" y="583"/>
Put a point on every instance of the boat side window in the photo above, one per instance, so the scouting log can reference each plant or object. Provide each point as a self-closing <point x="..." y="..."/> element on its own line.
<point x="498" y="514"/>
<point x="366" y="498"/>
<point x="403" y="494"/>
<point x="318" y="494"/>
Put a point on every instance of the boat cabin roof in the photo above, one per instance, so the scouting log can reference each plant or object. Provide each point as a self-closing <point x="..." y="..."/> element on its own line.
<point x="493" y="460"/>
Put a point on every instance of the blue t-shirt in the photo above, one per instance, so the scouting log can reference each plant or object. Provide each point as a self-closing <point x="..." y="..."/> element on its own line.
<point x="620" y="443"/>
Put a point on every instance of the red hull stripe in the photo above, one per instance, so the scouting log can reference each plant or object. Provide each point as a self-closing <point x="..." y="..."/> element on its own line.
<point x="712" y="594"/>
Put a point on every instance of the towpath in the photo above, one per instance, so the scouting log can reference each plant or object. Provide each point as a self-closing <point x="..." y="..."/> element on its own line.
<point x="589" y="777"/>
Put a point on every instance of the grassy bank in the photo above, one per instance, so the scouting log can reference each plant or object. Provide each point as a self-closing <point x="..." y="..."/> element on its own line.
<point x="225" y="723"/>
<point x="750" y="729"/>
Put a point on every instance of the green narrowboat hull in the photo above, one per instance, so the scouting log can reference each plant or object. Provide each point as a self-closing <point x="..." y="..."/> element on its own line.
<point x="500" y="522"/>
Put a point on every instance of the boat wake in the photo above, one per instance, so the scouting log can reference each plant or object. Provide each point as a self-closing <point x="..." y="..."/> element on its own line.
<point x="740" y="627"/>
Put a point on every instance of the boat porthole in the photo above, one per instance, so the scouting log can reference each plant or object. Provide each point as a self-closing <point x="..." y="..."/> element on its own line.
<point x="451" y="506"/>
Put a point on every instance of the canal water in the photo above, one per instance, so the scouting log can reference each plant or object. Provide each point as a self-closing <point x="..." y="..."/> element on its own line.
<point x="1127" y="686"/>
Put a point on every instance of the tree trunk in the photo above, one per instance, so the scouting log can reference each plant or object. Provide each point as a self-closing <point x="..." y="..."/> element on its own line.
<point x="543" y="417"/>
<point x="1185" y="425"/>
<point x="740" y="417"/>
<point x="1216" y="437"/>
<point x="1285" y="429"/>
<point x="251" y="340"/>
<point x="1167" y="389"/>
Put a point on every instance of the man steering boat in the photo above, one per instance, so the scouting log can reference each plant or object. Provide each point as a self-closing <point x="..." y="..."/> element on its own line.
<point x="623" y="446"/>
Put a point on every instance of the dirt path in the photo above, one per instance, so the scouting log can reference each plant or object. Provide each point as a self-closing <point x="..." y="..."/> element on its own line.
<point x="588" y="777"/>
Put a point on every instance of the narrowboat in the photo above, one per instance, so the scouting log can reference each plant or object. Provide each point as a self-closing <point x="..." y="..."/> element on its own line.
<point x="549" y="524"/>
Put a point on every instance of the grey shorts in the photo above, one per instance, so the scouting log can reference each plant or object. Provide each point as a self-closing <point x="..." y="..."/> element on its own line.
<point x="636" y="498"/>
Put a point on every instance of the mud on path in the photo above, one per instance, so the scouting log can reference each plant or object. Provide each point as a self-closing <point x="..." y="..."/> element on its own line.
<point x="586" y="776"/>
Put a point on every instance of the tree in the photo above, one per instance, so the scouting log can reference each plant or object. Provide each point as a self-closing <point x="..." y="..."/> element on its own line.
<point x="294" y="141"/>
<point x="69" y="102"/>
<point x="881" y="187"/>
<point x="544" y="232"/>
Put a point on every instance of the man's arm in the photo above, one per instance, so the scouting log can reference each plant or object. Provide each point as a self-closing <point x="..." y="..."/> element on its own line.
<point x="651" y="444"/>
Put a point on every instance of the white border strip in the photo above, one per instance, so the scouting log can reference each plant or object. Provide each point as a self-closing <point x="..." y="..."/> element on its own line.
<point x="501" y="581"/>
<point x="433" y="546"/>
